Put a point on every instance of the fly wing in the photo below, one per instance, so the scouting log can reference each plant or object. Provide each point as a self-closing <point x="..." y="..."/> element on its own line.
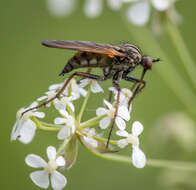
<point x="86" y="46"/>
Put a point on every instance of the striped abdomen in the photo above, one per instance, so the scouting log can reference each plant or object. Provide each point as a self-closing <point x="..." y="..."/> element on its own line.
<point x="86" y="59"/>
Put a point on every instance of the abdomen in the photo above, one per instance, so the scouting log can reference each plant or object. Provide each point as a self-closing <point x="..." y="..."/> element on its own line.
<point x="86" y="59"/>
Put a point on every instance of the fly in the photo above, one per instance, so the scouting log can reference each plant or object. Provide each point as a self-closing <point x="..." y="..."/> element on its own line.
<point x="116" y="62"/>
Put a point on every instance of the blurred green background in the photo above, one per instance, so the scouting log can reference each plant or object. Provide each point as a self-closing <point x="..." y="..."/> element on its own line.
<point x="27" y="69"/>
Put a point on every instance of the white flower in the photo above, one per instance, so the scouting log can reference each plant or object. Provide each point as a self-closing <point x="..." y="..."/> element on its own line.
<point x="95" y="87"/>
<point x="63" y="103"/>
<point x="77" y="90"/>
<point x="138" y="157"/>
<point x="69" y="123"/>
<point x="123" y="114"/>
<point x="24" y="128"/>
<point x="139" y="12"/>
<point x="41" y="177"/>
<point x="125" y="95"/>
<point x="115" y="4"/>
<point x="93" y="8"/>
<point x="55" y="87"/>
<point x="162" y="5"/>
<point x="60" y="8"/>
<point x="90" y="132"/>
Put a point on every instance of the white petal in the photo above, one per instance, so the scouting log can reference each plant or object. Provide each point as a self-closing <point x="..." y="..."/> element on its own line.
<point x="59" y="105"/>
<point x="113" y="89"/>
<point x="139" y="13"/>
<point x="104" y="123"/>
<point x="161" y="5"/>
<point x="60" y="161"/>
<point x="71" y="106"/>
<point x="122" y="143"/>
<point x="40" y="178"/>
<point x="59" y="120"/>
<point x="60" y="8"/>
<point x="120" y="123"/>
<point x="75" y="95"/>
<point x="115" y="4"/>
<point x="64" y="133"/>
<point x="124" y="113"/>
<point x="122" y="133"/>
<point x="35" y="161"/>
<point x="95" y="87"/>
<point x="27" y="132"/>
<point x="93" y="8"/>
<point x="107" y="104"/>
<point x="34" y="104"/>
<point x="15" y="130"/>
<point x="73" y="128"/>
<point x="101" y="111"/>
<point x="55" y="87"/>
<point x="64" y="112"/>
<point x="42" y="98"/>
<point x="91" y="141"/>
<point x="84" y="82"/>
<point x="38" y="114"/>
<point x="137" y="128"/>
<point x="58" y="180"/>
<point x="138" y="157"/>
<point x="82" y="92"/>
<point x="51" y="152"/>
<point x="48" y="104"/>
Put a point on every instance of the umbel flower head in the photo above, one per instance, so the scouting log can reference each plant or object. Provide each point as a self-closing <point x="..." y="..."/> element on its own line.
<point x="72" y="129"/>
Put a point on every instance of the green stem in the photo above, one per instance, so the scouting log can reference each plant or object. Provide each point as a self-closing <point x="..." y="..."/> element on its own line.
<point x="50" y="125"/>
<point x="47" y="127"/>
<point x="170" y="164"/>
<point x="177" y="165"/>
<point x="83" y="105"/>
<point x="61" y="148"/>
<point x="182" y="50"/>
<point x="104" y="140"/>
<point x="81" y="134"/>
<point x="92" y="122"/>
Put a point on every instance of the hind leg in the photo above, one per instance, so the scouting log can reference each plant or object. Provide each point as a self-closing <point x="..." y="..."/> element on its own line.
<point x="81" y="74"/>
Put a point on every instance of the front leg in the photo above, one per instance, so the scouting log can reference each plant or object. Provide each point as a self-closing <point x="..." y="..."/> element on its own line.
<point x="140" y="82"/>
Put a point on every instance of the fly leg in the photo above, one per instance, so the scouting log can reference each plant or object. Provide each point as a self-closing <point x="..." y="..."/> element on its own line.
<point x="116" y="85"/>
<point x="141" y="84"/>
<point x="81" y="74"/>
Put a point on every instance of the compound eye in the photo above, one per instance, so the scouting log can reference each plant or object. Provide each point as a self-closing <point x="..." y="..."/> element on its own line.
<point x="147" y="61"/>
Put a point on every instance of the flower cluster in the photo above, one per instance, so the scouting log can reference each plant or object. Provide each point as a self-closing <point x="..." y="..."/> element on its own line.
<point x="72" y="129"/>
<point x="138" y="11"/>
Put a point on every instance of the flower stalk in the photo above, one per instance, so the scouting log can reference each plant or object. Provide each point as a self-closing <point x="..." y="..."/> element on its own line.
<point x="180" y="46"/>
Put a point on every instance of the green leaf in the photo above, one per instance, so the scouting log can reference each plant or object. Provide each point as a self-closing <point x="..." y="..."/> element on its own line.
<point x="71" y="152"/>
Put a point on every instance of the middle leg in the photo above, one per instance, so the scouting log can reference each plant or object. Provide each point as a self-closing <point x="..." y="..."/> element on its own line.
<point x="116" y="85"/>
